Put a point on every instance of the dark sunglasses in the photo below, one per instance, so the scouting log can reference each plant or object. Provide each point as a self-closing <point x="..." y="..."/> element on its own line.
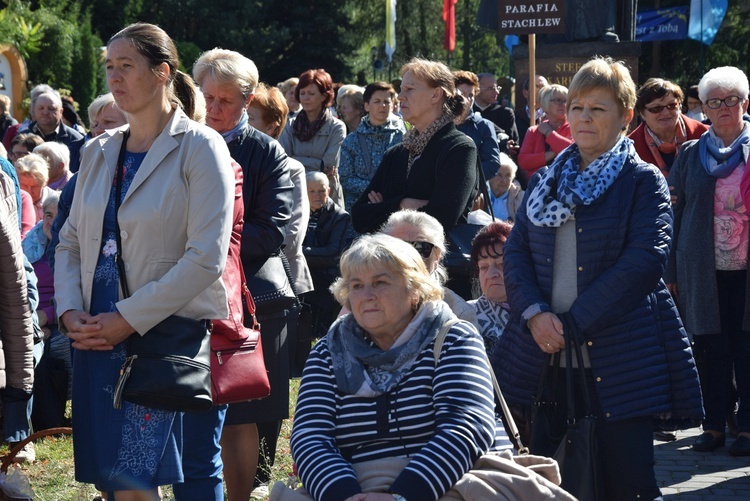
<point x="424" y="248"/>
<point x="658" y="109"/>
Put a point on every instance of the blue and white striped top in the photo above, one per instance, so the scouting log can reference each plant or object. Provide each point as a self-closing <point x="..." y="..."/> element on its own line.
<point x="441" y="417"/>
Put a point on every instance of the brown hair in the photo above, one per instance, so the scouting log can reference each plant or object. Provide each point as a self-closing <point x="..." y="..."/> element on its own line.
<point x="466" y="78"/>
<point x="322" y="81"/>
<point x="272" y="105"/>
<point x="375" y="87"/>
<point x="28" y="141"/>
<point x="154" y="44"/>
<point x="485" y="240"/>
<point x="438" y="76"/>
<point x="656" y="88"/>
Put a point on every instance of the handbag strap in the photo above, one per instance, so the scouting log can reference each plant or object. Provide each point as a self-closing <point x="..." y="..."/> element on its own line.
<point x="572" y="348"/>
<point x="438" y="347"/>
<point x="483" y="188"/>
<point x="118" y="200"/>
<point x="365" y="151"/>
<point x="249" y="301"/>
<point x="551" y="362"/>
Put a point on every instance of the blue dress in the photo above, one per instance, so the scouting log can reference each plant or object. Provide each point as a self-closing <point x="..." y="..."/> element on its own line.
<point x="136" y="447"/>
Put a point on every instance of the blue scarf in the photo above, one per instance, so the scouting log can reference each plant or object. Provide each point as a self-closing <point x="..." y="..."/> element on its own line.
<point x="550" y="208"/>
<point x="363" y="369"/>
<point x="233" y="133"/>
<point x="720" y="161"/>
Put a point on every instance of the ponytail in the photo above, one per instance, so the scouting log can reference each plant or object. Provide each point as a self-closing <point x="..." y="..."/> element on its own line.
<point x="184" y="93"/>
<point x="456" y="105"/>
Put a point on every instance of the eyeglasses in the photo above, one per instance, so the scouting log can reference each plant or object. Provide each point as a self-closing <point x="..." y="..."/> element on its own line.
<point x="659" y="108"/>
<point x="17" y="154"/>
<point x="493" y="87"/>
<point x="558" y="101"/>
<point x="424" y="248"/>
<point x="729" y="101"/>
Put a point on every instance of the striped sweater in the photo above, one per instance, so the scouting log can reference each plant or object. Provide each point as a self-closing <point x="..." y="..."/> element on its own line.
<point x="441" y="417"/>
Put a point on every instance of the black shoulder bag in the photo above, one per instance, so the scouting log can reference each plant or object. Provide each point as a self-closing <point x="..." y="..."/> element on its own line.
<point x="169" y="366"/>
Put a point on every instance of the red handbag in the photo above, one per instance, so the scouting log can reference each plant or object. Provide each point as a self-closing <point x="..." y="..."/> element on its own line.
<point x="238" y="372"/>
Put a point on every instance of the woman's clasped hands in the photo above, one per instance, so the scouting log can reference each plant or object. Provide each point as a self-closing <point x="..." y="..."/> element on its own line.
<point x="547" y="330"/>
<point x="99" y="332"/>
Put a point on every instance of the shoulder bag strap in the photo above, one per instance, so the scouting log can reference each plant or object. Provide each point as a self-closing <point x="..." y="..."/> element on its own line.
<point x="365" y="150"/>
<point x="439" y="340"/>
<point x="118" y="200"/>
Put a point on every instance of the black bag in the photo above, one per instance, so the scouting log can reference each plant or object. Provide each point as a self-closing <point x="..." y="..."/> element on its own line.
<point x="459" y="238"/>
<point x="547" y="428"/>
<point x="577" y="455"/>
<point x="270" y="285"/>
<point x="169" y="366"/>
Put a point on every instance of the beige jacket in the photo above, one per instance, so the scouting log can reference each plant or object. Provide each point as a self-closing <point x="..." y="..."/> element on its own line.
<point x="297" y="229"/>
<point x="175" y="224"/>
<point x="16" y="327"/>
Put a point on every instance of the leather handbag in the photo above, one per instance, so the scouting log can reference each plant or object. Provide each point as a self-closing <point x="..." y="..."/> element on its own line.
<point x="270" y="285"/>
<point x="547" y="422"/>
<point x="238" y="371"/>
<point x="577" y="454"/>
<point x="168" y="367"/>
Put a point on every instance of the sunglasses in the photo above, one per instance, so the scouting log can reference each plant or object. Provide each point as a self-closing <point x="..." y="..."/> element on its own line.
<point x="658" y="109"/>
<point x="424" y="248"/>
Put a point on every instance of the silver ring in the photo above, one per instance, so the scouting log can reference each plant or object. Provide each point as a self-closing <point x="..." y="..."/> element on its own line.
<point x="548" y="345"/>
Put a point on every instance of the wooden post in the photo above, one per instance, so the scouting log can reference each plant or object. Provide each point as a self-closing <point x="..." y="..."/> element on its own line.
<point x="532" y="79"/>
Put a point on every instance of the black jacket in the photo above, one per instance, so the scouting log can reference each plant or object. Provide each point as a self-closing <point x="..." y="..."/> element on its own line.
<point x="267" y="192"/>
<point x="323" y="246"/>
<point x="501" y="116"/>
<point x="445" y="175"/>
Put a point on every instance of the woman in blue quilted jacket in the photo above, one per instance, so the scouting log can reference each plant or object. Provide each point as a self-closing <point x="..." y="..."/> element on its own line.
<point x="584" y="261"/>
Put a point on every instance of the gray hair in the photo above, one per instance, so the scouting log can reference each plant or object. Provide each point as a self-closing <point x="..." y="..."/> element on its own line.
<point x="508" y="162"/>
<point x="396" y="255"/>
<point x="726" y="78"/>
<point x="317" y="177"/>
<point x="227" y="66"/>
<point x="53" y="96"/>
<point x="58" y="153"/>
<point x="40" y="89"/>
<point x="53" y="197"/>
<point x="34" y="165"/>
<point x="429" y="226"/>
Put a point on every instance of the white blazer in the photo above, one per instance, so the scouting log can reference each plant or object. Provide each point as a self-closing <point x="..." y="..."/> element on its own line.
<point x="175" y="224"/>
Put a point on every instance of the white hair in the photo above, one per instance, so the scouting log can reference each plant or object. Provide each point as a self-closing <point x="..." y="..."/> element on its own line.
<point x="727" y="78"/>
<point x="58" y="153"/>
<point x="317" y="177"/>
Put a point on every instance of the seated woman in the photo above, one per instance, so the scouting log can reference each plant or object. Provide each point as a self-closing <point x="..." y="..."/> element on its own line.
<point x="542" y="143"/>
<point x="505" y="192"/>
<point x="372" y="390"/>
<point x="425" y="234"/>
<point x="324" y="242"/>
<point x="491" y="308"/>
<point x="54" y="372"/>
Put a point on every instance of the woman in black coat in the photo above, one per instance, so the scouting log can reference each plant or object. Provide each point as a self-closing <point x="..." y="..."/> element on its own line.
<point x="435" y="168"/>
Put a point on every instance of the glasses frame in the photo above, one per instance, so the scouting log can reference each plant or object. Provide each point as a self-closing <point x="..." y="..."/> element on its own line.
<point x="659" y="108"/>
<point x="718" y="102"/>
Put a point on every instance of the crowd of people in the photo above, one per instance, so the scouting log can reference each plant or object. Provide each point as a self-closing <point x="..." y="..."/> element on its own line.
<point x="624" y="232"/>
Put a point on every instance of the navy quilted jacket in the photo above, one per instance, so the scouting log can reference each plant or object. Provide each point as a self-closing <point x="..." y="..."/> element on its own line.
<point x="640" y="356"/>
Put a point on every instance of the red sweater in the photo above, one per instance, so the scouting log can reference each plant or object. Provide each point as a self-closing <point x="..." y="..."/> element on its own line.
<point x="531" y="157"/>
<point x="693" y="128"/>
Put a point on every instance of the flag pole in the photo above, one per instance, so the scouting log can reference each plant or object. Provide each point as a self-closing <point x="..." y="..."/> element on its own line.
<point x="532" y="79"/>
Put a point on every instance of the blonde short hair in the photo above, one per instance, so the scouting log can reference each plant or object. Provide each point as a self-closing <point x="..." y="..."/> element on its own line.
<point x="547" y="93"/>
<point x="396" y="255"/>
<point x="606" y="73"/>
<point x="34" y="165"/>
<point x="227" y="66"/>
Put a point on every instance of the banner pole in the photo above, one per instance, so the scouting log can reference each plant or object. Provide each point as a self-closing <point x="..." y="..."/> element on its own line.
<point x="532" y="79"/>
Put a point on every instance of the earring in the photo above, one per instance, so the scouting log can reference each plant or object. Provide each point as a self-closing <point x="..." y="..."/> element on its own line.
<point x="624" y="128"/>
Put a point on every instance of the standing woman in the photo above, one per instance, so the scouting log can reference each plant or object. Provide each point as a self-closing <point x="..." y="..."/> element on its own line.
<point x="707" y="271"/>
<point x="362" y="151"/>
<point x="228" y="80"/>
<point x="314" y="136"/>
<point x="175" y="223"/>
<point x="434" y="169"/>
<point x="585" y="262"/>
<point x="658" y="139"/>
<point x="543" y="142"/>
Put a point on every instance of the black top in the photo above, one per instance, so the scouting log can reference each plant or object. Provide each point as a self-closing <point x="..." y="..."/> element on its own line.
<point x="445" y="175"/>
<point x="502" y="116"/>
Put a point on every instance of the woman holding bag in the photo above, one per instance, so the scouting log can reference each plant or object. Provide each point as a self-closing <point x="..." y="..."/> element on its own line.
<point x="175" y="219"/>
<point x="587" y="251"/>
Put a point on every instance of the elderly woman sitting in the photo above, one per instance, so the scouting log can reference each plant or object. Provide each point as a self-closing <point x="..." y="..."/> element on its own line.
<point x="425" y="234"/>
<point x="491" y="308"/>
<point x="505" y="192"/>
<point x="33" y="173"/>
<point x="372" y="390"/>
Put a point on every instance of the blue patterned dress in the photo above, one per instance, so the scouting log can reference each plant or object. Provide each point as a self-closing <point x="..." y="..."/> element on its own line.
<point x="134" y="447"/>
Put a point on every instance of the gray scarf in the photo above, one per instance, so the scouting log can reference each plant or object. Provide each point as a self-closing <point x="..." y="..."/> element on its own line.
<point x="363" y="369"/>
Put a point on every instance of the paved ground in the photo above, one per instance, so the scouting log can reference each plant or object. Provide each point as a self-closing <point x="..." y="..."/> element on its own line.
<point x="686" y="475"/>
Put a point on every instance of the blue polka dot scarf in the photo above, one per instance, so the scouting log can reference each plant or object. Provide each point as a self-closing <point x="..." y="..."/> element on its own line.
<point x="564" y="185"/>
